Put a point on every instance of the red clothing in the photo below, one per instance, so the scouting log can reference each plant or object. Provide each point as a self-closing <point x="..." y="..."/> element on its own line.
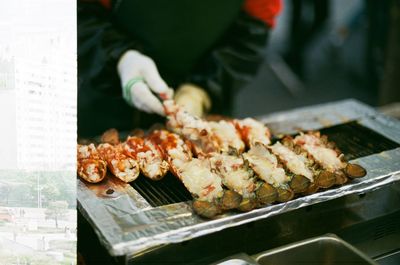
<point x="265" y="10"/>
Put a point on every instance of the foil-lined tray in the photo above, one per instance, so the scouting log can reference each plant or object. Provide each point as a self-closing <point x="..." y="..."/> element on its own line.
<point x="127" y="225"/>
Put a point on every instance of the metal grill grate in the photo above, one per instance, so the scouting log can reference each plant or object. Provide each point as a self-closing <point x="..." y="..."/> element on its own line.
<point x="165" y="191"/>
<point x="355" y="140"/>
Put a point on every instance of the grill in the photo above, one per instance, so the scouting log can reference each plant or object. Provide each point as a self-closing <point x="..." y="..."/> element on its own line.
<point x="356" y="140"/>
<point x="352" y="138"/>
<point x="147" y="215"/>
<point x="166" y="191"/>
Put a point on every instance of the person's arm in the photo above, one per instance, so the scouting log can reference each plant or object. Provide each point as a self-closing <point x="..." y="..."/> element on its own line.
<point x="100" y="45"/>
<point x="235" y="60"/>
<point x="110" y="61"/>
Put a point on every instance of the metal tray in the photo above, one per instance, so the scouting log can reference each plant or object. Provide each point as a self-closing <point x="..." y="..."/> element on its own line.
<point x="128" y="224"/>
<point x="323" y="250"/>
<point x="327" y="249"/>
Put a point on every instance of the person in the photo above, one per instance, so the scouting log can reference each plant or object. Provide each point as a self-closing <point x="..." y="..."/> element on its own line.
<point x="131" y="52"/>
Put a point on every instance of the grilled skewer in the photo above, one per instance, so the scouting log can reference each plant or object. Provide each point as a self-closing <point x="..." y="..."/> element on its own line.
<point x="123" y="167"/>
<point x="90" y="166"/>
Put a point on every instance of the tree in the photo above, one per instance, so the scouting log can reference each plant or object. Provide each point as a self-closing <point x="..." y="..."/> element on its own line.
<point x="4" y="193"/>
<point x="57" y="210"/>
<point x="49" y="192"/>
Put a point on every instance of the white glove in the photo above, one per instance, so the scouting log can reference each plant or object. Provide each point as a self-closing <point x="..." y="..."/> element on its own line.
<point x="139" y="76"/>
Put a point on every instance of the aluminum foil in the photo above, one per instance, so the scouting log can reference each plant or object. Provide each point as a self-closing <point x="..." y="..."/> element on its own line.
<point x="127" y="225"/>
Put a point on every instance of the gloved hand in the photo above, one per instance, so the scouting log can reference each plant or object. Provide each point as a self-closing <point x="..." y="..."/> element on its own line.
<point x="193" y="99"/>
<point x="139" y="78"/>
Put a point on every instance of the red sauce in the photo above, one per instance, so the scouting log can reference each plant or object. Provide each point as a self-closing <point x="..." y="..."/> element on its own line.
<point x="245" y="133"/>
<point x="208" y="189"/>
<point x="170" y="143"/>
<point x="110" y="153"/>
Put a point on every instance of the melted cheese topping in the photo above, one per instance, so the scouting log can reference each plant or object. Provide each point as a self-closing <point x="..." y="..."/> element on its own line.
<point x="191" y="127"/>
<point x="199" y="180"/>
<point x="265" y="165"/>
<point x="179" y="118"/>
<point x="255" y="132"/>
<point x="86" y="151"/>
<point x="294" y="162"/>
<point x="156" y="169"/>
<point x="176" y="149"/>
<point x="178" y="154"/>
<point x="227" y="135"/>
<point x="326" y="157"/>
<point x="83" y="151"/>
<point x="178" y="163"/>
<point x="127" y="170"/>
<point x="89" y="165"/>
<point x="233" y="173"/>
<point x="151" y="162"/>
<point x="91" y="173"/>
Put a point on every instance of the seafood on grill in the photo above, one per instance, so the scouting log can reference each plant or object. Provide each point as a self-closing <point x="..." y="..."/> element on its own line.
<point x="148" y="156"/>
<point x="268" y="169"/>
<point x="297" y="167"/>
<point x="225" y="164"/>
<point x="253" y="131"/>
<point x="195" y="174"/>
<point x="90" y="166"/>
<point x="238" y="177"/>
<point x="192" y="128"/>
<point x="111" y="136"/>
<point x="122" y="166"/>
<point x="227" y="136"/>
<point x="328" y="158"/>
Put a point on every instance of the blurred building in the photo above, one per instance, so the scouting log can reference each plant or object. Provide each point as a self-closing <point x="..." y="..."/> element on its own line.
<point x="38" y="91"/>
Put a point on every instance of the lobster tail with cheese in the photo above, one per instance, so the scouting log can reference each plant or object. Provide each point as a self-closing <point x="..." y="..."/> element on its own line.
<point x="173" y="148"/>
<point x="195" y="174"/>
<point x="90" y="166"/>
<point x="123" y="167"/>
<point x="253" y="131"/>
<point x="322" y="178"/>
<point x="192" y="128"/>
<point x="301" y="175"/>
<point x="148" y="155"/>
<point x="237" y="176"/>
<point x="267" y="168"/>
<point x="328" y="158"/>
<point x="228" y="137"/>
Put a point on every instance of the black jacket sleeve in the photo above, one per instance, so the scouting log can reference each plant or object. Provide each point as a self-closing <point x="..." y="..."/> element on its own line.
<point x="233" y="62"/>
<point x="100" y="45"/>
